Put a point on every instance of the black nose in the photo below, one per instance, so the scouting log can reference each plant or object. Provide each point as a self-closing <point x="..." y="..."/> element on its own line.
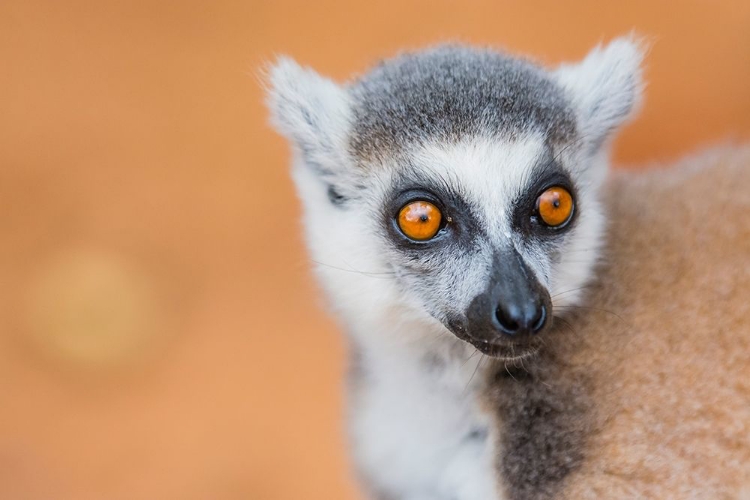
<point x="520" y="318"/>
<point x="515" y="306"/>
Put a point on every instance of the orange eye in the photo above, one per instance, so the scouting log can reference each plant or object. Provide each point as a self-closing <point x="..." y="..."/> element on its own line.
<point x="555" y="206"/>
<point x="419" y="220"/>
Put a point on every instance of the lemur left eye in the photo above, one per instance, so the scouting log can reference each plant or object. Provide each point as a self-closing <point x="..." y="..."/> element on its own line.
<point x="555" y="206"/>
<point x="419" y="220"/>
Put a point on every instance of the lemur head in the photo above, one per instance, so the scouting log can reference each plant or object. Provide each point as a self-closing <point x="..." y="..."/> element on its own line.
<point x="456" y="187"/>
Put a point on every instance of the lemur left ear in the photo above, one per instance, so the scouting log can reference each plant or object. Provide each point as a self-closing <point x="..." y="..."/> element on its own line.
<point x="310" y="110"/>
<point x="606" y="87"/>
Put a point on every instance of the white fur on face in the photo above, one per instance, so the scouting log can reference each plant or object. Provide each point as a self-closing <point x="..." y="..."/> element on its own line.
<point x="359" y="266"/>
<point x="492" y="174"/>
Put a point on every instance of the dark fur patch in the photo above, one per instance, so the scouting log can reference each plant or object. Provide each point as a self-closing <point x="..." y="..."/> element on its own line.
<point x="453" y="91"/>
<point x="478" y="434"/>
<point x="335" y="197"/>
<point x="544" y="420"/>
<point x="412" y="185"/>
<point x="547" y="174"/>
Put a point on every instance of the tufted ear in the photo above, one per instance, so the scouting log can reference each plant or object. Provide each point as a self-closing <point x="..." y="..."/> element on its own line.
<point x="606" y="87"/>
<point x="313" y="112"/>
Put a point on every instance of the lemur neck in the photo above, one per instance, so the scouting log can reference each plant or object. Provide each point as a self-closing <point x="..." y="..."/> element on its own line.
<point x="412" y="351"/>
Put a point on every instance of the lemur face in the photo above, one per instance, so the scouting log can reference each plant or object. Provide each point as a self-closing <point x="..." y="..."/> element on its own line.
<point x="487" y="234"/>
<point x="457" y="186"/>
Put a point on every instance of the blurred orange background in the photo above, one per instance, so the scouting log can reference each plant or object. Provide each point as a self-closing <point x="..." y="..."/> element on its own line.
<point x="161" y="336"/>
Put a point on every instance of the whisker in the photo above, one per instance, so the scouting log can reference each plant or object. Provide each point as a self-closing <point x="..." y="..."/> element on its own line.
<point x="572" y="290"/>
<point x="384" y="274"/>
<point x="523" y="366"/>
<point x="476" y="351"/>
<point x="564" y="322"/>
<point x="594" y="309"/>
<point x="581" y="250"/>
<point x="481" y="358"/>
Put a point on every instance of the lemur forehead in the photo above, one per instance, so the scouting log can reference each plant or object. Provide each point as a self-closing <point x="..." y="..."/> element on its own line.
<point x="451" y="92"/>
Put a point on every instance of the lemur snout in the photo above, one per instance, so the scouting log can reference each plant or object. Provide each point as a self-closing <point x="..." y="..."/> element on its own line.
<point x="516" y="319"/>
<point x="513" y="308"/>
<point x="517" y="305"/>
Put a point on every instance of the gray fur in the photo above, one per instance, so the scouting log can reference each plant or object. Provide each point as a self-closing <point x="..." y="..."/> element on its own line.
<point x="453" y="91"/>
<point x="545" y="416"/>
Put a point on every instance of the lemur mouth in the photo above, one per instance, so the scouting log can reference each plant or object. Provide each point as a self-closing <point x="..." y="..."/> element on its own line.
<point x="507" y="351"/>
<point x="504" y="349"/>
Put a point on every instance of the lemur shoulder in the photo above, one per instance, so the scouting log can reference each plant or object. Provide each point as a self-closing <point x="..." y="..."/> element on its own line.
<point x="523" y="324"/>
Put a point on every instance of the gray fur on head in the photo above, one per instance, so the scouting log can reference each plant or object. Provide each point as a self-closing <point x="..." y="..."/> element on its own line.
<point x="455" y="91"/>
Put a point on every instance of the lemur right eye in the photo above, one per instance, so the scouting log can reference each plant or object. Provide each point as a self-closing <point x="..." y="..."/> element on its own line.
<point x="555" y="206"/>
<point x="419" y="220"/>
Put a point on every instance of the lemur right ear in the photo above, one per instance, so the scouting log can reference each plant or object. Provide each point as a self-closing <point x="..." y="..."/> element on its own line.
<point x="606" y="87"/>
<point x="310" y="110"/>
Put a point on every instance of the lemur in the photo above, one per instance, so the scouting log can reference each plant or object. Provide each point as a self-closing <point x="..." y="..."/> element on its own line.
<point x="456" y="206"/>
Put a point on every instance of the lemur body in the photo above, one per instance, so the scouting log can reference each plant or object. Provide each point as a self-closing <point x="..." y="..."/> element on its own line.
<point x="670" y="372"/>
<point x="502" y="161"/>
<point x="645" y="391"/>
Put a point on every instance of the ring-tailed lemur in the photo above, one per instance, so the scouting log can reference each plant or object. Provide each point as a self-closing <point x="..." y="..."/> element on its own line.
<point x="451" y="205"/>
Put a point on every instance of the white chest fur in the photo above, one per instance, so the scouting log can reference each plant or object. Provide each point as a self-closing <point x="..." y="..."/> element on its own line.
<point x="417" y="428"/>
